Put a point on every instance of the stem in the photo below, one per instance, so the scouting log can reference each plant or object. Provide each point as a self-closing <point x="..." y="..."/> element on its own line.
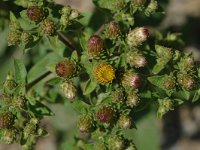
<point x="66" y="41"/>
<point x="34" y="82"/>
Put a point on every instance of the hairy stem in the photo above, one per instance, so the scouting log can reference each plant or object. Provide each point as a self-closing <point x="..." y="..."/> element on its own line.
<point x="34" y="82"/>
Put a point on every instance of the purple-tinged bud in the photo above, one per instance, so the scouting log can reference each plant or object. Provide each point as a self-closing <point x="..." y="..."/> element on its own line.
<point x="131" y="79"/>
<point x="137" y="36"/>
<point x="68" y="90"/>
<point x="112" y="30"/>
<point x="66" y="68"/>
<point x="35" y="13"/>
<point x="105" y="114"/>
<point x="95" y="46"/>
<point x="6" y="120"/>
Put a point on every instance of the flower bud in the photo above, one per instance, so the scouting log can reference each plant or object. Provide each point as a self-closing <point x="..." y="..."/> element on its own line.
<point x="66" y="69"/>
<point x="66" y="10"/>
<point x="135" y="59"/>
<point x="100" y="146"/>
<point x="10" y="84"/>
<point x="151" y="8"/>
<point x="137" y="36"/>
<point x="95" y="46"/>
<point x="14" y="26"/>
<point x="9" y="136"/>
<point x="69" y="90"/>
<point x="133" y="99"/>
<point x="19" y="102"/>
<point x="119" y="5"/>
<point x="104" y="73"/>
<point x="29" y="130"/>
<point x="187" y="82"/>
<point x="116" y="143"/>
<point x="48" y="27"/>
<point x="13" y="38"/>
<point x="6" y="120"/>
<point x="26" y="37"/>
<point x="169" y="82"/>
<point x="139" y="3"/>
<point x="85" y="123"/>
<point x="131" y="79"/>
<point x="118" y="96"/>
<point x="125" y="121"/>
<point x="112" y="30"/>
<point x="186" y="64"/>
<point x="74" y="14"/>
<point x="5" y="99"/>
<point x="164" y="53"/>
<point x="105" y="114"/>
<point x="64" y="21"/>
<point x="165" y="105"/>
<point x="35" y="13"/>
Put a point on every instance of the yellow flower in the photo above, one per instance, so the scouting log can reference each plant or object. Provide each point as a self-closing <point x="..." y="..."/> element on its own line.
<point x="104" y="73"/>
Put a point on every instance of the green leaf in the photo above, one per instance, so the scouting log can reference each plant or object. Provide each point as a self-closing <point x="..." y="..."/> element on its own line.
<point x="40" y="109"/>
<point x="196" y="96"/>
<point x="40" y="68"/>
<point x="74" y="56"/>
<point x="12" y="17"/>
<point x="20" y="71"/>
<point x="90" y="87"/>
<point x="157" y="80"/>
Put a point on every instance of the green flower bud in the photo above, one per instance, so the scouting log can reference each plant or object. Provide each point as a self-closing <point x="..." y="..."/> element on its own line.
<point x="136" y="59"/>
<point x="35" y="13"/>
<point x="151" y="8"/>
<point x="100" y="146"/>
<point x="19" y="102"/>
<point x="69" y="90"/>
<point x="9" y="136"/>
<point x="187" y="82"/>
<point x="66" y="10"/>
<point x="164" y="52"/>
<point x="131" y="79"/>
<point x="139" y="3"/>
<point x="13" y="38"/>
<point x="169" y="82"/>
<point x="64" y="21"/>
<point x="66" y="68"/>
<point x="14" y="26"/>
<point x="165" y="105"/>
<point x="10" y="84"/>
<point x="137" y="36"/>
<point x="105" y="114"/>
<point x="116" y="143"/>
<point x="125" y="121"/>
<point x="133" y="99"/>
<point x="86" y="123"/>
<point x="186" y="64"/>
<point x="118" y="96"/>
<point x="6" y="120"/>
<point x="26" y="37"/>
<point x="74" y="14"/>
<point x="5" y="99"/>
<point x="48" y="27"/>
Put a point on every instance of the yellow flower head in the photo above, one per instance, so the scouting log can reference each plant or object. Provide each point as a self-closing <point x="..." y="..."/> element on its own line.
<point x="104" y="73"/>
